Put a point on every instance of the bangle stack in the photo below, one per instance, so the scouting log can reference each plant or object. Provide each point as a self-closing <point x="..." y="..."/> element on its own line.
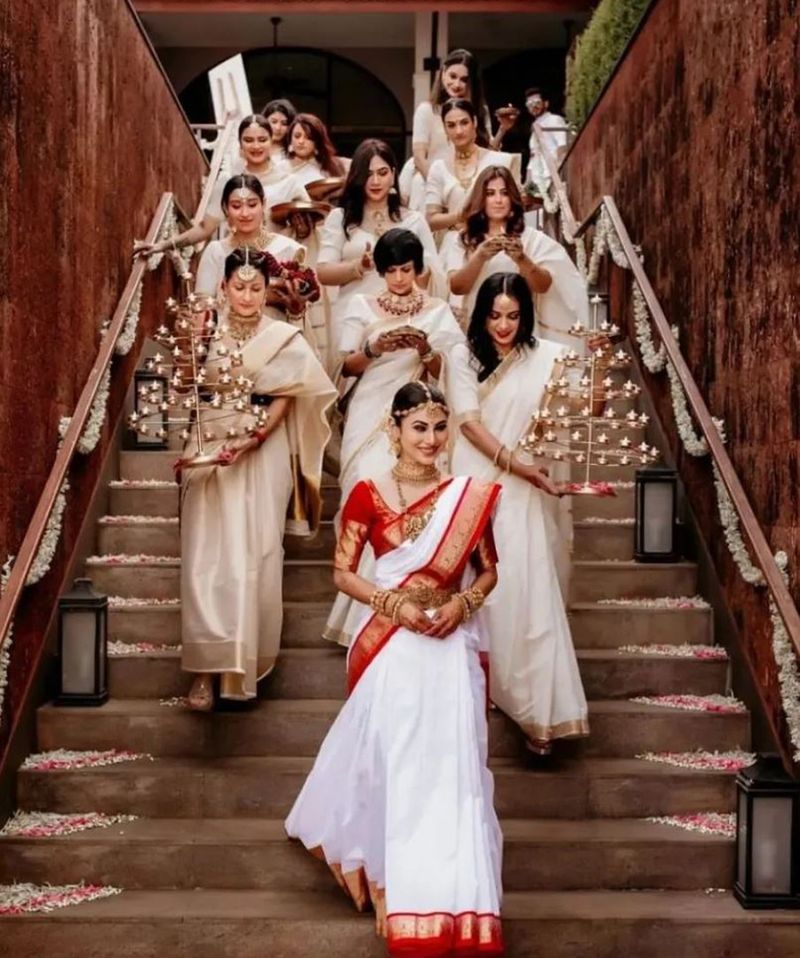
<point x="367" y="351"/>
<point x="387" y="602"/>
<point x="471" y="600"/>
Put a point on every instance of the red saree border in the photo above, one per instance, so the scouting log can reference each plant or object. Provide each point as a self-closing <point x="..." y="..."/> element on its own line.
<point x="439" y="934"/>
<point x="464" y="529"/>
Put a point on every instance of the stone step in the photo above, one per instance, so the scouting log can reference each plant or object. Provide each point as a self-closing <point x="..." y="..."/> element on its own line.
<point x="248" y="853"/>
<point x="604" y="541"/>
<point x="620" y="506"/>
<point x="266" y="786"/>
<point x="146" y="580"/>
<point x="593" y="625"/>
<point x="297" y="727"/>
<point x="140" y="499"/>
<point x="320" y="673"/>
<point x="199" y="923"/>
<point x="593" y="580"/>
<point x="604" y="626"/>
<point x="162" y="537"/>
<point x="152" y="464"/>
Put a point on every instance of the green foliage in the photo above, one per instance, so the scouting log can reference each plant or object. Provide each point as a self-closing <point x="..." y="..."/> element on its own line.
<point x="596" y="52"/>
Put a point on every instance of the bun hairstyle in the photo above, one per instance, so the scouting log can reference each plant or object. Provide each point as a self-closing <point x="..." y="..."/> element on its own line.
<point x="352" y="200"/>
<point x="414" y="396"/>
<point x="476" y="221"/>
<point x="317" y="132"/>
<point x="255" y="119"/>
<point x="398" y="246"/>
<point x="459" y="103"/>
<point x="242" y="181"/>
<point x="241" y="258"/>
<point x="483" y="350"/>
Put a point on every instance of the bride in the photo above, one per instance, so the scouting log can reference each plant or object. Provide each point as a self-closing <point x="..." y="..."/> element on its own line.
<point x="399" y="801"/>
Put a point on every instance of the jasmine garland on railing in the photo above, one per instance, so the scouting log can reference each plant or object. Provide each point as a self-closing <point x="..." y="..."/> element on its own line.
<point x="5" y="651"/>
<point x="93" y="429"/>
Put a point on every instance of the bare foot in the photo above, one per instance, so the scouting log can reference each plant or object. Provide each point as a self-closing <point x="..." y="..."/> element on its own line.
<point x="201" y="694"/>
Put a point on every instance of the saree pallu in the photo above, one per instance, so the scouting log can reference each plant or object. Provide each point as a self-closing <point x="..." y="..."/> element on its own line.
<point x="534" y="671"/>
<point x="233" y="518"/>
<point x="365" y="448"/>
<point x="399" y="802"/>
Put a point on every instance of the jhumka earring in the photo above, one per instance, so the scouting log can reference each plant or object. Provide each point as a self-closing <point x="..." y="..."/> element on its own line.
<point x="393" y="443"/>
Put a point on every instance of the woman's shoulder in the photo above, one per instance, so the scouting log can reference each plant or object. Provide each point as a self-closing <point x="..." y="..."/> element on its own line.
<point x="424" y="109"/>
<point x="335" y="217"/>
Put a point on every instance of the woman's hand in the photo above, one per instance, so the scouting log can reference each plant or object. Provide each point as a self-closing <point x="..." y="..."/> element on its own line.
<point x="490" y="247"/>
<point x="285" y="294"/>
<point x="447" y="619"/>
<point x="142" y="250"/>
<point x="538" y="478"/>
<point x="367" y="262"/>
<point x="513" y="248"/>
<point x="228" y="455"/>
<point x="411" y="617"/>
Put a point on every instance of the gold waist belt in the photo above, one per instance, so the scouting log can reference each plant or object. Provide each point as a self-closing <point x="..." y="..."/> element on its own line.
<point x="428" y="598"/>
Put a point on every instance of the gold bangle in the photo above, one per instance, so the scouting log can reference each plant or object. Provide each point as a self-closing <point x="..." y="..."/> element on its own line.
<point x="497" y="454"/>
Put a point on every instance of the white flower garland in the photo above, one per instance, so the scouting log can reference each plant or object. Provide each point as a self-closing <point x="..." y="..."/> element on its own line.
<point x="52" y="533"/>
<point x="654" y="359"/>
<point x="93" y="429"/>
<point x="127" y="336"/>
<point x="5" y="651"/>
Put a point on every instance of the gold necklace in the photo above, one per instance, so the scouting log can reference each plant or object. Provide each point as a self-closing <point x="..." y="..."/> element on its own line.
<point x="467" y="154"/>
<point x="463" y="169"/>
<point x="241" y="328"/>
<point x="259" y="242"/>
<point x="378" y="220"/>
<point x="414" y="525"/>
<point x="395" y="305"/>
<point x="415" y="472"/>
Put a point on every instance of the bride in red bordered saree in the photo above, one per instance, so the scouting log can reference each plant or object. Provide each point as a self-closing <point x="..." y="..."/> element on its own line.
<point x="399" y="802"/>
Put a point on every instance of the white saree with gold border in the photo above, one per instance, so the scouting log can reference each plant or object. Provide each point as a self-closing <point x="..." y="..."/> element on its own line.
<point x="534" y="675"/>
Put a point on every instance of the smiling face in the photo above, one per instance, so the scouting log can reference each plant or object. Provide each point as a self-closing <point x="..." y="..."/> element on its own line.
<point x="301" y="144"/>
<point x="460" y="128"/>
<point x="502" y="323"/>
<point x="497" y="201"/>
<point x="380" y="180"/>
<point x="254" y="143"/>
<point x="279" y="124"/>
<point x="536" y="105"/>
<point x="455" y="80"/>
<point x="422" y="435"/>
<point x="400" y="279"/>
<point x="246" y="297"/>
<point x="244" y="212"/>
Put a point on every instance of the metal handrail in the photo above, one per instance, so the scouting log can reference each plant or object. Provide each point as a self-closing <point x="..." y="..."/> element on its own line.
<point x="762" y="553"/>
<point x="36" y="527"/>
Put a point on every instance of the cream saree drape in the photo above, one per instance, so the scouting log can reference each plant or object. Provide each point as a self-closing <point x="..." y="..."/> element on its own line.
<point x="534" y="675"/>
<point x="233" y="517"/>
<point x="365" y="449"/>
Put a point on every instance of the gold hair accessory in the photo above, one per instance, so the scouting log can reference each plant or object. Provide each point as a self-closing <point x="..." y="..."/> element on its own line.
<point x="244" y="193"/>
<point x="247" y="272"/>
<point x="430" y="405"/>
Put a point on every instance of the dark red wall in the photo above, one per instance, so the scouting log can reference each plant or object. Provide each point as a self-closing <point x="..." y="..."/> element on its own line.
<point x="697" y="139"/>
<point x="91" y="136"/>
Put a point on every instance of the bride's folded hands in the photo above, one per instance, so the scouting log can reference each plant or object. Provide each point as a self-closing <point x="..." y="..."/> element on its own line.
<point x="411" y="617"/>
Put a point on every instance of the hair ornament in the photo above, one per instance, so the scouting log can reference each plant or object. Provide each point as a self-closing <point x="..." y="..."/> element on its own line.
<point x="430" y="405"/>
<point x="247" y="272"/>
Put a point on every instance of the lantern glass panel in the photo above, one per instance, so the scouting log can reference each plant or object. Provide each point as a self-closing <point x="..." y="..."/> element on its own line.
<point x="657" y="517"/>
<point x="742" y="843"/>
<point x="101" y="643"/>
<point x="78" y="653"/>
<point x="772" y="845"/>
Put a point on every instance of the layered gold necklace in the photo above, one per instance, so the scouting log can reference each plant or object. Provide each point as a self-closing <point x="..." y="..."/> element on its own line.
<point x="416" y="474"/>
<point x="463" y="165"/>
<point x="242" y="328"/>
<point x="396" y="305"/>
<point x="376" y="221"/>
<point x="259" y="242"/>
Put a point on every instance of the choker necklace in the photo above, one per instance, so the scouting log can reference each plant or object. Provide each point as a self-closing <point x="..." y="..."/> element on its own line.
<point x="415" y="473"/>
<point x="467" y="154"/>
<point x="242" y="328"/>
<point x="259" y="242"/>
<point x="396" y="305"/>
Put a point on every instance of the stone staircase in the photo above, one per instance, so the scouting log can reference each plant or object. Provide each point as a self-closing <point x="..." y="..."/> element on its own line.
<point x="206" y="868"/>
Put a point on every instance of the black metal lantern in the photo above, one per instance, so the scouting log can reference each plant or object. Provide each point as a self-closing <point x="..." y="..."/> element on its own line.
<point x="767" y="836"/>
<point x="150" y="418"/>
<point x="656" y="529"/>
<point x="82" y="646"/>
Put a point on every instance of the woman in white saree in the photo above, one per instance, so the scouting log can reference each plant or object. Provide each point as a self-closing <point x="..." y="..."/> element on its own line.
<point x="495" y="239"/>
<point x="534" y="675"/>
<point x="399" y="801"/>
<point x="396" y="336"/>
<point x="233" y="513"/>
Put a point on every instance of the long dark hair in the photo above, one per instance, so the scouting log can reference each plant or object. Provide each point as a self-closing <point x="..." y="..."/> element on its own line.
<point x="476" y="222"/>
<point x="281" y="106"/>
<point x="469" y="60"/>
<point x="242" y="181"/>
<point x="415" y="394"/>
<point x="484" y="353"/>
<point x="317" y="132"/>
<point x="458" y="103"/>
<point x="352" y="199"/>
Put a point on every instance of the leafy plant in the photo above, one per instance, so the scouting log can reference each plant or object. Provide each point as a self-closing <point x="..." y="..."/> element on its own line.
<point x="596" y="53"/>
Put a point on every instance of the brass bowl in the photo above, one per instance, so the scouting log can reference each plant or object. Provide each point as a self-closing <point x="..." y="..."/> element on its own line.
<point x="281" y="212"/>
<point x="326" y="189"/>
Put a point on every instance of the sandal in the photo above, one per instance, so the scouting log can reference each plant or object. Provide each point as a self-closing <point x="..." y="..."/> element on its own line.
<point x="201" y="694"/>
<point x="539" y="746"/>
